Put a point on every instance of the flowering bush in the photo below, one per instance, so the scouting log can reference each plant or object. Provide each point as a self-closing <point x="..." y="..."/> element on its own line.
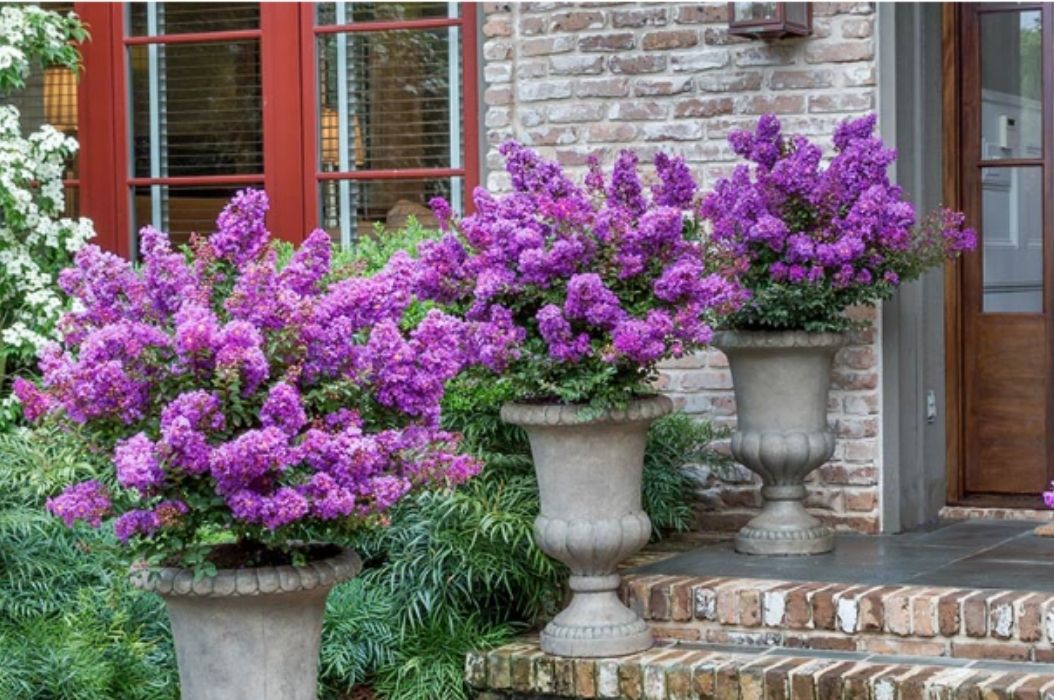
<point x="36" y="241"/>
<point x="810" y="240"/>
<point x="594" y="284"/>
<point x="279" y="405"/>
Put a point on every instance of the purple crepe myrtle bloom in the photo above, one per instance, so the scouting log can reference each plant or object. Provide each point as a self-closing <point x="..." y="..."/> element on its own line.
<point x="135" y="461"/>
<point x="240" y="229"/>
<point x="87" y="501"/>
<point x="841" y="233"/>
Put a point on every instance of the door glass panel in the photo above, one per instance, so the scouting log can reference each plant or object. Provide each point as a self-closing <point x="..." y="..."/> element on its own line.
<point x="1011" y="85"/>
<point x="1012" y="236"/>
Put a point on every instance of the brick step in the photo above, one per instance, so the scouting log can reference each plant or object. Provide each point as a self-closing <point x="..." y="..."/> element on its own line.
<point x="682" y="671"/>
<point x="966" y="623"/>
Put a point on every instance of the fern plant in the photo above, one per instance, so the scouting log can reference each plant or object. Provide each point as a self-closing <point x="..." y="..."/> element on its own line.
<point x="71" y="626"/>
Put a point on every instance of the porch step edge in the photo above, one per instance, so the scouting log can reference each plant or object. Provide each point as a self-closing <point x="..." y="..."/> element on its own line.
<point x="1005" y="625"/>
<point x="520" y="671"/>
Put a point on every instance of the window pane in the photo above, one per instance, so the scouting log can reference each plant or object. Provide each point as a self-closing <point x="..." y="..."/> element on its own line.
<point x="193" y="17"/>
<point x="181" y="210"/>
<point x="381" y="11"/>
<point x="1012" y="236"/>
<point x="199" y="111"/>
<point x="394" y="93"/>
<point x="389" y="202"/>
<point x="1011" y="85"/>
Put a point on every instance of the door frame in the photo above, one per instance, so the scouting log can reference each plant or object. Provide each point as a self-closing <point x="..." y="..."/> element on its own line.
<point x="953" y="58"/>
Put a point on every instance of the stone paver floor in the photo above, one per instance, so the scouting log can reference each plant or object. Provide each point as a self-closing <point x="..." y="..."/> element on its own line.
<point x="975" y="554"/>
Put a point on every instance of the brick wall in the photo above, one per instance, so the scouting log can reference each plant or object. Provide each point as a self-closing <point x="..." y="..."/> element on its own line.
<point x="577" y="79"/>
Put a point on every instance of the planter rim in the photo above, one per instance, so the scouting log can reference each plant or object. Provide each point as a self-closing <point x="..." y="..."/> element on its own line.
<point x="264" y="580"/>
<point x="778" y="339"/>
<point x="638" y="410"/>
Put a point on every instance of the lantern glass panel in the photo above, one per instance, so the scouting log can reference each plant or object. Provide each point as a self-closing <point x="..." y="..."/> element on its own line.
<point x="797" y="13"/>
<point x="756" y="12"/>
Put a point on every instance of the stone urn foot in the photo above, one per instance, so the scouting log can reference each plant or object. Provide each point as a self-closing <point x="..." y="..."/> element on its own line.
<point x="782" y="381"/>
<point x="589" y="481"/>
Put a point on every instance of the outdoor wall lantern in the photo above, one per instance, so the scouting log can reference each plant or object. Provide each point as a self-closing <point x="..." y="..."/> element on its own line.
<point x="60" y="98"/>
<point x="770" y="20"/>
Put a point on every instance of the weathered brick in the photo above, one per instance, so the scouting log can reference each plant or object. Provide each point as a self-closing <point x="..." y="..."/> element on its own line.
<point x="703" y="107"/>
<point x="543" y="46"/>
<point x="664" y="39"/>
<point x="576" y="21"/>
<point x="775" y="104"/>
<point x="639" y="110"/>
<point x="857" y="27"/>
<point x="576" y="112"/>
<point x="662" y="86"/>
<point x="576" y="65"/>
<point x="702" y="13"/>
<point x="543" y="90"/>
<point x="801" y="79"/>
<point x="616" y="41"/>
<point x="842" y="102"/>
<point x="637" y="65"/>
<point x="698" y="61"/>
<point x="975" y="615"/>
<point x="655" y="16"/>
<point x="602" y="87"/>
<point x="729" y="81"/>
<point x="991" y="651"/>
<point x="840" y="52"/>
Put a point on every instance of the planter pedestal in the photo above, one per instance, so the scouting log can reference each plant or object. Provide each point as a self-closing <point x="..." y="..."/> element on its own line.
<point x="249" y="634"/>
<point x="589" y="480"/>
<point x="782" y="381"/>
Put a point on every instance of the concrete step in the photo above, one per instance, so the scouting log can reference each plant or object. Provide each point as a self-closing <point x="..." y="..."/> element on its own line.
<point x="684" y="671"/>
<point x="927" y="621"/>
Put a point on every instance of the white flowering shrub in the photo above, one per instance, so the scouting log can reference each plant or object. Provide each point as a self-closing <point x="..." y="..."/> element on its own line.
<point x="36" y="240"/>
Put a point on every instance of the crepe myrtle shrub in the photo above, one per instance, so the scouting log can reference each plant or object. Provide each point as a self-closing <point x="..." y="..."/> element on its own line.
<point x="810" y="239"/>
<point x="36" y="239"/>
<point x="248" y="405"/>
<point x="598" y="281"/>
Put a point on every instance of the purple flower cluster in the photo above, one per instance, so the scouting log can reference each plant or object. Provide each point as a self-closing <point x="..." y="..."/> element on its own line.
<point x="227" y="387"/>
<point x="834" y="234"/>
<point x="606" y="275"/>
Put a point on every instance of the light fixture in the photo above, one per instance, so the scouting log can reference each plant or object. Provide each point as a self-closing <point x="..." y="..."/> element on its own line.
<point x="60" y="98"/>
<point x="770" y="20"/>
<point x="329" y="137"/>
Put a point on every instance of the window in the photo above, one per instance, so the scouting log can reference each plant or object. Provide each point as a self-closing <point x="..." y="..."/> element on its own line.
<point x="391" y="114"/>
<point x="347" y="113"/>
<point x="195" y="113"/>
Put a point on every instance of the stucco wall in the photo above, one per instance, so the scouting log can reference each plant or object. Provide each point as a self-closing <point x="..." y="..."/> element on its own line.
<point x="575" y="79"/>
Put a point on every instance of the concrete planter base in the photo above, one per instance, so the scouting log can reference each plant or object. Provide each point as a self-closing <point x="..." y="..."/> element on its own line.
<point x="782" y="381"/>
<point x="249" y="634"/>
<point x="589" y="479"/>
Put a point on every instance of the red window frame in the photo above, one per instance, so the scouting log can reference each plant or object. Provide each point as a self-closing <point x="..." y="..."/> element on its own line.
<point x="287" y="36"/>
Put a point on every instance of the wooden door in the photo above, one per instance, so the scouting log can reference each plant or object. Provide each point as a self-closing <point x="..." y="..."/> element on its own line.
<point x="1007" y="287"/>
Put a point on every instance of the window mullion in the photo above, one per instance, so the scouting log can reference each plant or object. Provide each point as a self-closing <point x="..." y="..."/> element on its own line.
<point x="343" y="187"/>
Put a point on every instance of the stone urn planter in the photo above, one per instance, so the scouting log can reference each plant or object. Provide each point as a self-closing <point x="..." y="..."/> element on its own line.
<point x="782" y="381"/>
<point x="589" y="479"/>
<point x="249" y="634"/>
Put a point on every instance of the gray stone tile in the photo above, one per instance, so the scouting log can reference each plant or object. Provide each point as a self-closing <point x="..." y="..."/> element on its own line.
<point x="1013" y="666"/>
<point x="924" y="660"/>
<point x="818" y="653"/>
<point x="986" y="573"/>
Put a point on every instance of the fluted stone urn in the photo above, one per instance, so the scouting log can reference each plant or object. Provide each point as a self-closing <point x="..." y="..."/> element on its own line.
<point x="249" y="634"/>
<point x="782" y="381"/>
<point x="589" y="479"/>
